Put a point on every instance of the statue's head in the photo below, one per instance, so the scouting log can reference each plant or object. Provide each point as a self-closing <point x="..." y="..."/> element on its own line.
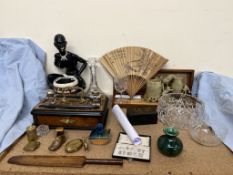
<point x="60" y="42"/>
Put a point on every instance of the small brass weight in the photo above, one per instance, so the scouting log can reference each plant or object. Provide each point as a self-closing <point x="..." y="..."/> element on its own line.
<point x="32" y="137"/>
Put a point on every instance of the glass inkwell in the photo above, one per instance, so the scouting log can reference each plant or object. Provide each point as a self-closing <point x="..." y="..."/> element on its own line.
<point x="169" y="144"/>
<point x="100" y="135"/>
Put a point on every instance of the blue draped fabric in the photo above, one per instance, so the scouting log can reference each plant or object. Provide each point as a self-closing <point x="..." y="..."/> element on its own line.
<point x="216" y="91"/>
<point x="22" y="86"/>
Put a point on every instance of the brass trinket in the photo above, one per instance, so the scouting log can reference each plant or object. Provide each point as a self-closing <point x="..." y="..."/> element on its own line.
<point x="59" y="140"/>
<point x="73" y="145"/>
<point x="85" y="144"/>
<point x="32" y="137"/>
<point x="31" y="146"/>
<point x="31" y="133"/>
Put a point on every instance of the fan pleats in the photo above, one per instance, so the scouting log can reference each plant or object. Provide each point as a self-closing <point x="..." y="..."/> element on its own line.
<point x="138" y="64"/>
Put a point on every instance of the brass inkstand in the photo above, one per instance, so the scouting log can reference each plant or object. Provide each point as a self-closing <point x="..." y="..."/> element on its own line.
<point x="71" y="108"/>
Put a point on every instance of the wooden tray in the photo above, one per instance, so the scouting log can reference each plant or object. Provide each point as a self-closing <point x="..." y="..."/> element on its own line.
<point x="187" y="76"/>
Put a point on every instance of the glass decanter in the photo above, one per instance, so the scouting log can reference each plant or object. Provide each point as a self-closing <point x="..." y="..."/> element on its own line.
<point x="94" y="91"/>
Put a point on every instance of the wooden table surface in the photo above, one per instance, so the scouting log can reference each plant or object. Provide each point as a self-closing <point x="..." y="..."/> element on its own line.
<point x="194" y="160"/>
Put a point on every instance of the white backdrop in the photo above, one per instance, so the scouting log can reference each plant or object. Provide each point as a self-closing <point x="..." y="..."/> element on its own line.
<point x="192" y="34"/>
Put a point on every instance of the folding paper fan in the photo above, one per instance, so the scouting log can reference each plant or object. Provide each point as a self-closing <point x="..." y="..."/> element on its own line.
<point x="138" y="64"/>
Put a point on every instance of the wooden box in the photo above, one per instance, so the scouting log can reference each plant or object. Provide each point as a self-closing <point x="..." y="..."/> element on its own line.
<point x="142" y="116"/>
<point x="74" y="116"/>
<point x="186" y="75"/>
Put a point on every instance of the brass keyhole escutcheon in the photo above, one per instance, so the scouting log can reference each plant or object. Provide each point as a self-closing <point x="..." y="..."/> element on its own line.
<point x="67" y="121"/>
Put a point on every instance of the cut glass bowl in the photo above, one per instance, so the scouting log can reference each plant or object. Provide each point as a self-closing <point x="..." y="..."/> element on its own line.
<point x="208" y="136"/>
<point x="179" y="110"/>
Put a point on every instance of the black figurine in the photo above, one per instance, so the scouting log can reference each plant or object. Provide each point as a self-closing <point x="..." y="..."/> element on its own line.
<point x="67" y="60"/>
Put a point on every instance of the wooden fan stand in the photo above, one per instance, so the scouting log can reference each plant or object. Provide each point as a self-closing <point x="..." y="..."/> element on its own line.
<point x="186" y="74"/>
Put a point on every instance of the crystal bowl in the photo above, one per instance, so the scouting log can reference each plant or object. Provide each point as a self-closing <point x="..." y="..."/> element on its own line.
<point x="180" y="110"/>
<point x="207" y="135"/>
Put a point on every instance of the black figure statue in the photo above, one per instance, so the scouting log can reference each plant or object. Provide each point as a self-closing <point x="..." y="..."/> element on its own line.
<point x="67" y="60"/>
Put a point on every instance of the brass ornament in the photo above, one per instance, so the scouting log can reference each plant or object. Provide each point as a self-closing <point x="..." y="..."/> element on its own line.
<point x="59" y="140"/>
<point x="32" y="137"/>
<point x="73" y="145"/>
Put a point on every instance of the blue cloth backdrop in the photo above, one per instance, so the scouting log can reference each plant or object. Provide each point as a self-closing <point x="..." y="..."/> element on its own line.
<point x="22" y="86"/>
<point x="216" y="91"/>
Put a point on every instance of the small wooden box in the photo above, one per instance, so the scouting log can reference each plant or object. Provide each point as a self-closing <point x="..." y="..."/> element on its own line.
<point x="142" y="116"/>
<point x="71" y="118"/>
<point x="186" y="75"/>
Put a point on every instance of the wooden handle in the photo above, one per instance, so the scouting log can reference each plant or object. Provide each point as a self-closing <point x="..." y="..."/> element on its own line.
<point x="104" y="161"/>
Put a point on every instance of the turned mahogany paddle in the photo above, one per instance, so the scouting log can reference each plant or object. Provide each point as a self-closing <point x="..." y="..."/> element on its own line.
<point x="61" y="161"/>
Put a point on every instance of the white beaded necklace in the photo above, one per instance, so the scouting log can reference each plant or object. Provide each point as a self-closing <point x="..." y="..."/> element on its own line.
<point x="63" y="57"/>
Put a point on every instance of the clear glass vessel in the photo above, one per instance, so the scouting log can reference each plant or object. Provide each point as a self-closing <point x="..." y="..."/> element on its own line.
<point x="207" y="135"/>
<point x="180" y="110"/>
<point x="94" y="91"/>
<point x="120" y="85"/>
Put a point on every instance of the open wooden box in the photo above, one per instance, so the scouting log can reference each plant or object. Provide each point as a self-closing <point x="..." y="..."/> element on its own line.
<point x="186" y="75"/>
